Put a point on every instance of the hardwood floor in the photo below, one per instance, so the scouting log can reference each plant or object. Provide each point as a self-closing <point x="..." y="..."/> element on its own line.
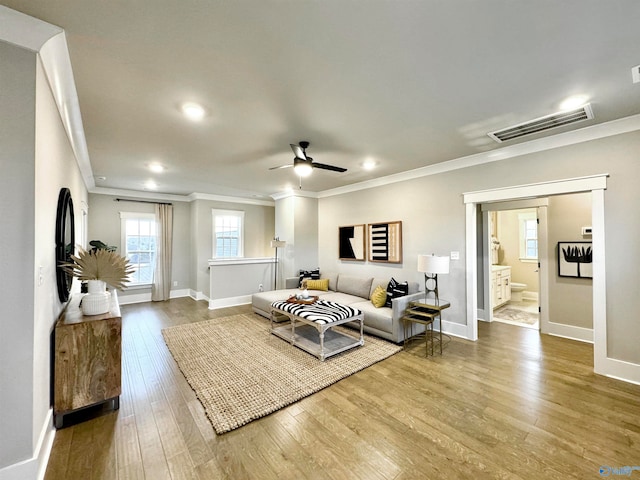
<point x="514" y="405"/>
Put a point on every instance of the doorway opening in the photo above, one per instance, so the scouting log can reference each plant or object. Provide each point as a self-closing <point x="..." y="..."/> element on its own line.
<point x="596" y="185"/>
<point x="513" y="236"/>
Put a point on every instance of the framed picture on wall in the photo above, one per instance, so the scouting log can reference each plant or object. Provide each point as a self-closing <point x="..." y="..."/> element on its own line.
<point x="575" y="259"/>
<point x="351" y="243"/>
<point x="385" y="242"/>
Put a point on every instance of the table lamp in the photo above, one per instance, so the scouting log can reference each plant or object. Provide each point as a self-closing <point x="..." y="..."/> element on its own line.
<point x="276" y="243"/>
<point x="432" y="265"/>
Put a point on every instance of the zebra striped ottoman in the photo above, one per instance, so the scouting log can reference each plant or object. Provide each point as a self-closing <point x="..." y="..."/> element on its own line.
<point x="311" y="326"/>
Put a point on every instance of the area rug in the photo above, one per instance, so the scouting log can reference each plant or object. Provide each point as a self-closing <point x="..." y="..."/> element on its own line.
<point x="240" y="372"/>
<point x="515" y="315"/>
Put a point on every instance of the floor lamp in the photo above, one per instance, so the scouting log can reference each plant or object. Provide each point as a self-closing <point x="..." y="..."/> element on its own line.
<point x="432" y="265"/>
<point x="276" y="243"/>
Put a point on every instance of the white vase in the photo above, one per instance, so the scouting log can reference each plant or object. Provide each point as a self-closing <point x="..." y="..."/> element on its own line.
<point x="96" y="302"/>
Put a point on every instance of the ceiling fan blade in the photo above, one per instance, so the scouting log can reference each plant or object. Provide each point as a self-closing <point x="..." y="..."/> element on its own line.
<point x="298" y="151"/>
<point x="324" y="166"/>
<point x="288" y="165"/>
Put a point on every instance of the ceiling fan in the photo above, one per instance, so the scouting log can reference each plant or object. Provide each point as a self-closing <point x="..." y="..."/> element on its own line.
<point x="303" y="164"/>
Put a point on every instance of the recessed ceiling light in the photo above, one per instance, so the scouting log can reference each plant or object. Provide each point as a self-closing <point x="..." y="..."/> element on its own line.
<point x="573" y="102"/>
<point x="369" y="164"/>
<point x="150" y="185"/>
<point x="156" y="167"/>
<point x="193" y="111"/>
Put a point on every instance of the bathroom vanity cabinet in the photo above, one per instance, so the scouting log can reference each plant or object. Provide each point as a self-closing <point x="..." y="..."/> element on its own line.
<point x="500" y="285"/>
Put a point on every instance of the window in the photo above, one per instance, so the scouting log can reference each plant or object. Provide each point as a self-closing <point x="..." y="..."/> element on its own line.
<point x="139" y="245"/>
<point x="528" y="235"/>
<point x="228" y="230"/>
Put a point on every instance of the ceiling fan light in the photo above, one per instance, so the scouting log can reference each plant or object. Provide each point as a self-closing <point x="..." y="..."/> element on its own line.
<point x="303" y="169"/>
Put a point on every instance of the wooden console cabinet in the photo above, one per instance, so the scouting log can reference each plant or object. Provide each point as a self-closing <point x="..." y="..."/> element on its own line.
<point x="87" y="359"/>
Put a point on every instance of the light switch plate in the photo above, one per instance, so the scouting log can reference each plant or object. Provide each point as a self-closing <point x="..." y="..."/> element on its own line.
<point x="455" y="255"/>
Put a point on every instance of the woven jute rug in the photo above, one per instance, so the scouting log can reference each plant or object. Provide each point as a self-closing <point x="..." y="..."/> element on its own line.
<point x="241" y="372"/>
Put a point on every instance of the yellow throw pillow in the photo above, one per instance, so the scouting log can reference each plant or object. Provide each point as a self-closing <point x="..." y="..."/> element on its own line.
<point x="379" y="297"/>
<point x="322" y="284"/>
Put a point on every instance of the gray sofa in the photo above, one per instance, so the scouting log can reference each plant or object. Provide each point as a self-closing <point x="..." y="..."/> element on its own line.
<point x="356" y="292"/>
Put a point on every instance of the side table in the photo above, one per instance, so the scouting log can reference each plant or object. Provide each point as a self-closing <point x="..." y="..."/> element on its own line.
<point x="425" y="311"/>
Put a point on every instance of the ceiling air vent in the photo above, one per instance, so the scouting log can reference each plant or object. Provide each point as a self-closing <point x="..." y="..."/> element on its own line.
<point x="543" y="123"/>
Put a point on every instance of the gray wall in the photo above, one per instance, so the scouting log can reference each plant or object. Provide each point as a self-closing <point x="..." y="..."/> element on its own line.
<point x="36" y="160"/>
<point x="433" y="216"/>
<point x="104" y="224"/>
<point x="570" y="299"/>
<point x="259" y="222"/>
<point x="192" y="235"/>
<point x="17" y="238"/>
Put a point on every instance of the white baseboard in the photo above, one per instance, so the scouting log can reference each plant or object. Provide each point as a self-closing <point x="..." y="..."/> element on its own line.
<point x="530" y="296"/>
<point x="35" y="467"/>
<point x="482" y="316"/>
<point x="198" y="296"/>
<point x="453" y="329"/>
<point x="620" y="370"/>
<point x="146" y="297"/>
<point x="229" y="302"/>
<point x="569" y="331"/>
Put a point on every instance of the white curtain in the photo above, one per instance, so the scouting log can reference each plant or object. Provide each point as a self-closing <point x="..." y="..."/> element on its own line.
<point x="164" y="246"/>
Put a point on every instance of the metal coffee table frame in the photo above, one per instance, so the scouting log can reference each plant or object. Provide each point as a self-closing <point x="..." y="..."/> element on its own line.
<point x="318" y="339"/>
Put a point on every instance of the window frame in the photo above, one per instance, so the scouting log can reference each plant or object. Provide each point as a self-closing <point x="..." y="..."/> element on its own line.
<point x="523" y="218"/>
<point x="124" y="216"/>
<point x="239" y="214"/>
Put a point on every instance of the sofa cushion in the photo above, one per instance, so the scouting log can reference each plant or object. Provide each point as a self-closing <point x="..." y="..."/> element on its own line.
<point x="396" y="289"/>
<point x="358" y="286"/>
<point x="383" y="282"/>
<point x="306" y="274"/>
<point x="378" y="318"/>
<point x="263" y="300"/>
<point x="379" y="297"/>
<point x="333" y="280"/>
<point x="322" y="284"/>
<point x="343" y="298"/>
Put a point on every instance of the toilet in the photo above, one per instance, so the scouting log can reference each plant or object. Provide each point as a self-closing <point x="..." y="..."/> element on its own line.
<point x="516" y="291"/>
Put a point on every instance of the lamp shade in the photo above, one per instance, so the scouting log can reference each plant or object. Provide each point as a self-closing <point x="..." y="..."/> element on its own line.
<point x="278" y="243"/>
<point x="433" y="264"/>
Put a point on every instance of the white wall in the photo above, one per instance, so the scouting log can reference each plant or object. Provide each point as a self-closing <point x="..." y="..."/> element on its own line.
<point x="433" y="216"/>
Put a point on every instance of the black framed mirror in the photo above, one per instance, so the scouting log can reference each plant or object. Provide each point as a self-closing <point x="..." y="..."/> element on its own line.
<point x="65" y="242"/>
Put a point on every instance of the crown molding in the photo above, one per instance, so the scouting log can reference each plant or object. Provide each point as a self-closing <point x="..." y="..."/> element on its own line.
<point x="294" y="193"/>
<point x="25" y="31"/>
<point x="169" y="197"/>
<point x="139" y="195"/>
<point x="230" y="199"/>
<point x="594" y="132"/>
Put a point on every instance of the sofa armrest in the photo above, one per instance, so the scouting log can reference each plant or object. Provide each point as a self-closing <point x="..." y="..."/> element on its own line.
<point x="399" y="305"/>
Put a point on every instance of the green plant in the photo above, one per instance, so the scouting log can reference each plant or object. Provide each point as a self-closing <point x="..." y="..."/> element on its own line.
<point x="101" y="264"/>
<point x="100" y="245"/>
